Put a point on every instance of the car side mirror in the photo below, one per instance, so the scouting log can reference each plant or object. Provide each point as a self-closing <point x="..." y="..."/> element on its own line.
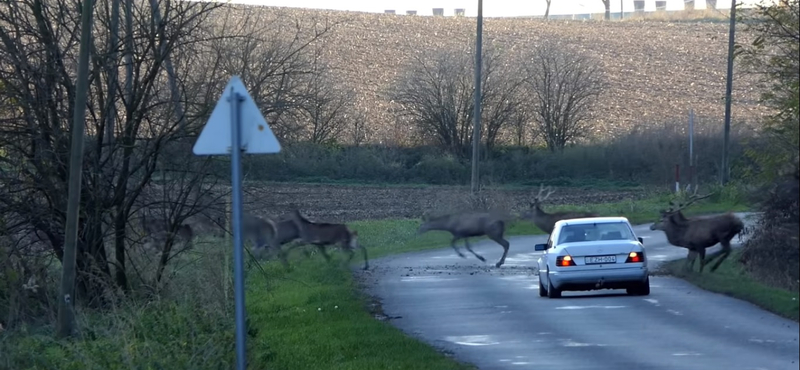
<point x="540" y="247"/>
<point x="641" y="240"/>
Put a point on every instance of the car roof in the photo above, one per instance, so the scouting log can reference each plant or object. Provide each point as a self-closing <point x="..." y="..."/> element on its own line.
<point x="591" y="220"/>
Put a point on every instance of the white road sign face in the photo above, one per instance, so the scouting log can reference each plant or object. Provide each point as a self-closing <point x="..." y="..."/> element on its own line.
<point x="257" y="137"/>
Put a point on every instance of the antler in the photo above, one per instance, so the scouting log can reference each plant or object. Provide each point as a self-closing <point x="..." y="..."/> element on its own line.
<point x="539" y="196"/>
<point x="692" y="199"/>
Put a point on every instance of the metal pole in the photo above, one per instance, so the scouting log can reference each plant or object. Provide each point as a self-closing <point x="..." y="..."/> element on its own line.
<point x="728" y="87"/>
<point x="621" y="10"/>
<point x="476" y="127"/>
<point x="238" y="253"/>
<point x="691" y="148"/>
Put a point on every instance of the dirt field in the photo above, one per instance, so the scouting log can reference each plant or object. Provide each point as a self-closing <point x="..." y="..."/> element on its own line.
<point x="656" y="70"/>
<point x="338" y="203"/>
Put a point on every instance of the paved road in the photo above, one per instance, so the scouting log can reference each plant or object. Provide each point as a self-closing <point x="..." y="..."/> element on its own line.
<point x="495" y="319"/>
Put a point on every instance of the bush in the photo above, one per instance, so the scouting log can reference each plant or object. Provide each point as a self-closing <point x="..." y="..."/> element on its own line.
<point x="186" y="325"/>
<point x="772" y="254"/>
<point x="646" y="155"/>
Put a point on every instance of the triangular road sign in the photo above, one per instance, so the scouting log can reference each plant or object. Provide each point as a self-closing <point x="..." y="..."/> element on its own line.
<point x="257" y="137"/>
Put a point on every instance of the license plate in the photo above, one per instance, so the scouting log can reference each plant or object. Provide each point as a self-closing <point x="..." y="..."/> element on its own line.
<point x="600" y="259"/>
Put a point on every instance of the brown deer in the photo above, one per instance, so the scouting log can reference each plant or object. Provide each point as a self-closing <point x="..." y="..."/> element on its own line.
<point x="547" y="221"/>
<point x="159" y="231"/>
<point x="699" y="234"/>
<point x="464" y="226"/>
<point x="321" y="234"/>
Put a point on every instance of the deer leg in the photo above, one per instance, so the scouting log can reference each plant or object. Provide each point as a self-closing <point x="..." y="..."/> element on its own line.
<point x="366" y="260"/>
<point x="351" y="248"/>
<point x="505" y="245"/>
<point x="321" y="249"/>
<point x="701" y="253"/>
<point x="284" y="260"/>
<point x="690" y="257"/>
<point x="469" y="248"/>
<point x="723" y="254"/>
<point x="453" y="244"/>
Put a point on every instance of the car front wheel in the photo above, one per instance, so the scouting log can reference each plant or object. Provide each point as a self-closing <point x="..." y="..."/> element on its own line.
<point x="542" y="290"/>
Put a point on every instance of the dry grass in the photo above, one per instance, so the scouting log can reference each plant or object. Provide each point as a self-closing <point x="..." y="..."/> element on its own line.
<point x="656" y="70"/>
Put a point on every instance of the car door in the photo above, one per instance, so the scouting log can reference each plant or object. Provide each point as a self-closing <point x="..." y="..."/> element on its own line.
<point x="544" y="259"/>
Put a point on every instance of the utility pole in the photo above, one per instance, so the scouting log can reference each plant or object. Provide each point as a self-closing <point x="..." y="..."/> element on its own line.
<point x="476" y="127"/>
<point x="692" y="176"/>
<point x="66" y="300"/>
<point x="726" y="145"/>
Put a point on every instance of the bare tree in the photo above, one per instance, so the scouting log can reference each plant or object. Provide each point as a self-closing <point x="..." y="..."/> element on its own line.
<point x="607" y="5"/>
<point x="547" y="9"/>
<point x="326" y="106"/>
<point x="360" y="132"/>
<point x="436" y="95"/>
<point x="38" y="51"/>
<point x="564" y="84"/>
<point x="273" y="55"/>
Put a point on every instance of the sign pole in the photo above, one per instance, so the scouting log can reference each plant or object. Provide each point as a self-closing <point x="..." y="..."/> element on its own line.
<point x="237" y="114"/>
<point x="238" y="254"/>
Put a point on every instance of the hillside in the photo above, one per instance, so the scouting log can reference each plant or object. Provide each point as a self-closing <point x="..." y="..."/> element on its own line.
<point x="657" y="70"/>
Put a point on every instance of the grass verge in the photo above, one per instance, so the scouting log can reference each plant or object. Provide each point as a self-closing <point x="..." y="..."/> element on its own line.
<point x="733" y="280"/>
<point x="311" y="318"/>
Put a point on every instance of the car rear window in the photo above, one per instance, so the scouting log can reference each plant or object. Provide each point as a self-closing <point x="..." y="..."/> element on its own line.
<point x="594" y="232"/>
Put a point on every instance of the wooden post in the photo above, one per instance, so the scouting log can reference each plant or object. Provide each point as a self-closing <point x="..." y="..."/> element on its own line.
<point x="66" y="300"/>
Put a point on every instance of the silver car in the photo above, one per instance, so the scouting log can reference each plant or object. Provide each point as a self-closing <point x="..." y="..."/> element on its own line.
<point x="593" y="253"/>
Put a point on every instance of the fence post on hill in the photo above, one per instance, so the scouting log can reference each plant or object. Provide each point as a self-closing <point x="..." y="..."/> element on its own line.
<point x="677" y="178"/>
<point x="476" y="127"/>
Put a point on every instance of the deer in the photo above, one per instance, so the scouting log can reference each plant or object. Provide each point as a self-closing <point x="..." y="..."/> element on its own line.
<point x="466" y="225"/>
<point x="699" y="234"/>
<point x="547" y="221"/>
<point x="322" y="234"/>
<point x="158" y="230"/>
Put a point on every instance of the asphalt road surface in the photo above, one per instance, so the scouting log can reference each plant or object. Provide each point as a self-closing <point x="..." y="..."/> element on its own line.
<point x="494" y="318"/>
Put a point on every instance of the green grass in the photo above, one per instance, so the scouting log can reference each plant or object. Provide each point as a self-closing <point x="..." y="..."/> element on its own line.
<point x="311" y="318"/>
<point x="733" y="280"/>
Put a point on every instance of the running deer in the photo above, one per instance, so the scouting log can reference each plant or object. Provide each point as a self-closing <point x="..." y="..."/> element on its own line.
<point x="547" y="221"/>
<point x="321" y="234"/>
<point x="159" y="232"/>
<point x="466" y="225"/>
<point x="699" y="234"/>
<point x="269" y="234"/>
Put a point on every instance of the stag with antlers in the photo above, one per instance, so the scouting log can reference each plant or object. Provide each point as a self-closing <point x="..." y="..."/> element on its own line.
<point x="464" y="226"/>
<point x="546" y="221"/>
<point x="322" y="234"/>
<point x="699" y="234"/>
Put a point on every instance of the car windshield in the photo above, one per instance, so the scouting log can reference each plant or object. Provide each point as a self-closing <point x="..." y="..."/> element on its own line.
<point x="594" y="232"/>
